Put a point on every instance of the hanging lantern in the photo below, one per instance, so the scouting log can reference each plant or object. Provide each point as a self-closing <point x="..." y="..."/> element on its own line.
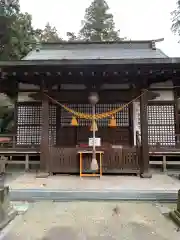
<point x="95" y="126"/>
<point x="74" y="121"/>
<point x="112" y="122"/>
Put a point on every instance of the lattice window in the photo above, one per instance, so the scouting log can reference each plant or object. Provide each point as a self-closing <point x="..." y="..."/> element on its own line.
<point x="29" y="122"/>
<point x="28" y="135"/>
<point x="161" y="134"/>
<point x="29" y="114"/>
<point x="52" y="134"/>
<point x="52" y="124"/>
<point x="52" y="115"/>
<point x="161" y="115"/>
<point x="122" y="118"/>
<point x="161" y="126"/>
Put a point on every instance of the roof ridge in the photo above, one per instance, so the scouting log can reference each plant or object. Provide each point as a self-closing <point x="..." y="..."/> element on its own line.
<point x="101" y="43"/>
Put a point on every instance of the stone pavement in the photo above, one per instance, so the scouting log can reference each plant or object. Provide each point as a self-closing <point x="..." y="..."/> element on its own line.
<point x="92" y="221"/>
<point x="159" y="182"/>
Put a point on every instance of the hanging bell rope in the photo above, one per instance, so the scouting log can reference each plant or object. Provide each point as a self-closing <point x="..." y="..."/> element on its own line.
<point x="97" y="116"/>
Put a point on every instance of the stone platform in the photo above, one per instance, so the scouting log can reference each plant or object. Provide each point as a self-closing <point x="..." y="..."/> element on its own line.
<point x="60" y="187"/>
<point x="29" y="181"/>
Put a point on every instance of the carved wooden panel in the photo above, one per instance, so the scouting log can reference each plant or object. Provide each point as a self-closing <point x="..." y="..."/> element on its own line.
<point x="120" y="160"/>
<point x="64" y="160"/>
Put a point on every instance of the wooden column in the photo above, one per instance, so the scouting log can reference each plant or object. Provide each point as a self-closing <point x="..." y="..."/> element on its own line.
<point x="44" y="147"/>
<point x="15" y="118"/>
<point x="177" y="115"/>
<point x="144" y="136"/>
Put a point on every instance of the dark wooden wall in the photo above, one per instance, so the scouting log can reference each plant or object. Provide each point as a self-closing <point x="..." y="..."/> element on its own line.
<point x="29" y="120"/>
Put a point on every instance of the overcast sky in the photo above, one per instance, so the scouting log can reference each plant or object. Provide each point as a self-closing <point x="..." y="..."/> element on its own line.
<point x="137" y="19"/>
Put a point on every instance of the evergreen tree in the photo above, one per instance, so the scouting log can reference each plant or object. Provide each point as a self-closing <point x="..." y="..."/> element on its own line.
<point x="176" y="19"/>
<point x="49" y="34"/>
<point x="16" y="42"/>
<point x="72" y="36"/>
<point x="98" y="24"/>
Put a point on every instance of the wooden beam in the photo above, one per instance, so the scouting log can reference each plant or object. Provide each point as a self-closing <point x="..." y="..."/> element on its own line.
<point x="105" y="96"/>
<point x="144" y="136"/>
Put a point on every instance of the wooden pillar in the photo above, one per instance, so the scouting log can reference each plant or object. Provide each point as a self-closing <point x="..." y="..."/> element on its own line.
<point x="44" y="147"/>
<point x="144" y="136"/>
<point x="15" y="118"/>
<point x="176" y="115"/>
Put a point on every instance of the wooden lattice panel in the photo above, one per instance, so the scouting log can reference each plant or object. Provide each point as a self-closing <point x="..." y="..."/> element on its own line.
<point x="29" y="114"/>
<point x="161" y="134"/>
<point x="122" y="117"/>
<point x="52" y="115"/>
<point x="29" y="122"/>
<point x="52" y="134"/>
<point x="161" y="125"/>
<point x="161" y="115"/>
<point x="120" y="160"/>
<point x="28" y="135"/>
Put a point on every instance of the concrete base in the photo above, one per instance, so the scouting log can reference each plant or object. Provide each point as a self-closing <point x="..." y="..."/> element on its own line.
<point x="146" y="175"/>
<point x="92" y="195"/>
<point x="7" y="213"/>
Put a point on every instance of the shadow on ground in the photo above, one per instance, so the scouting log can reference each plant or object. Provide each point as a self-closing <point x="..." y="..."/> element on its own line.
<point x="134" y="231"/>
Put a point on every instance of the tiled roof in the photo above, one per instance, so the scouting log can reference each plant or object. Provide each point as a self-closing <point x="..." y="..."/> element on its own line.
<point x="80" y="51"/>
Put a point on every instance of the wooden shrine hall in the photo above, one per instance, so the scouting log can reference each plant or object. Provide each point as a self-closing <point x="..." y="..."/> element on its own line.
<point x="51" y="87"/>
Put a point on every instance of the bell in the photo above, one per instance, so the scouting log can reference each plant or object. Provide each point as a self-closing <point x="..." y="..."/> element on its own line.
<point x="112" y="122"/>
<point x="94" y="165"/>
<point x="74" y="121"/>
<point x="94" y="124"/>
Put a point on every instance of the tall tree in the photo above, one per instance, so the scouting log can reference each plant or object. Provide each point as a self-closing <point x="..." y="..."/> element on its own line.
<point x="98" y="24"/>
<point x="48" y="34"/>
<point x="176" y="19"/>
<point x="20" y="32"/>
<point x="72" y="36"/>
<point x="17" y="35"/>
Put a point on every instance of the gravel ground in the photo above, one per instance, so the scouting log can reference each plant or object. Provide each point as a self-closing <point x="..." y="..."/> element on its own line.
<point x="91" y="221"/>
